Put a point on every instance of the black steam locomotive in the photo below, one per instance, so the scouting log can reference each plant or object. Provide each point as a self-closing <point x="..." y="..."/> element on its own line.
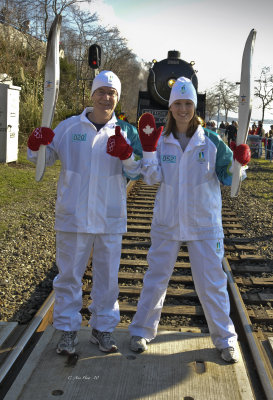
<point x="161" y="77"/>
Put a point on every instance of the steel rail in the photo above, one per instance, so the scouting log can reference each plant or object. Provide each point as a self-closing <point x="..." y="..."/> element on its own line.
<point x="247" y="327"/>
<point x="24" y="339"/>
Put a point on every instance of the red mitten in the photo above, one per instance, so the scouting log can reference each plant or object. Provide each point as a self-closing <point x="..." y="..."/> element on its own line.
<point x="148" y="133"/>
<point x="118" y="147"/>
<point x="241" y="153"/>
<point x="40" y="136"/>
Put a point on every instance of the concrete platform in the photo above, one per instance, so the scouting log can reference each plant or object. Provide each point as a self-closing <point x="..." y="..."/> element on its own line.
<point x="177" y="366"/>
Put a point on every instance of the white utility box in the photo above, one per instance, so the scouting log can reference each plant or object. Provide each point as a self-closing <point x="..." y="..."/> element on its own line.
<point x="9" y="122"/>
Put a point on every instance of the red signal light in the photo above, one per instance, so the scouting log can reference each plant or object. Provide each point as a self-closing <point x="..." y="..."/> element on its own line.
<point x="94" y="56"/>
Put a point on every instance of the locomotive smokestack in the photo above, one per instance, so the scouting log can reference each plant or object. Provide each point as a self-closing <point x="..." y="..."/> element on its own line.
<point x="173" y="54"/>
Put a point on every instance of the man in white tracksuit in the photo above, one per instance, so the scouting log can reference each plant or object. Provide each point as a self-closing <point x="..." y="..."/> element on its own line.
<point x="189" y="163"/>
<point x="90" y="211"/>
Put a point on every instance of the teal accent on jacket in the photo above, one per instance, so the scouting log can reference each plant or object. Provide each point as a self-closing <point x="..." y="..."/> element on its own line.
<point x="224" y="158"/>
<point x="132" y="135"/>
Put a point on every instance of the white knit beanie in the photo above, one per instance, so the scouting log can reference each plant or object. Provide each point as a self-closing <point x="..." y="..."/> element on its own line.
<point x="183" y="89"/>
<point x="106" y="78"/>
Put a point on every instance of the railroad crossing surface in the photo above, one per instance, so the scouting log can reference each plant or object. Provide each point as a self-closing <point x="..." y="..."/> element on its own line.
<point x="177" y="365"/>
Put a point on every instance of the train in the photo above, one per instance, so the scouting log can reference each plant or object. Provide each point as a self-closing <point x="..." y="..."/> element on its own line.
<point x="161" y="78"/>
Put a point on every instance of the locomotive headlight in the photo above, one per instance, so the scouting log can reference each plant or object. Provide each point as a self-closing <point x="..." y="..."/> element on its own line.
<point x="171" y="82"/>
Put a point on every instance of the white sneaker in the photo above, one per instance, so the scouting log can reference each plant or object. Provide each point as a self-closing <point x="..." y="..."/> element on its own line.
<point x="67" y="342"/>
<point x="105" y="341"/>
<point x="230" y="355"/>
<point x="138" y="344"/>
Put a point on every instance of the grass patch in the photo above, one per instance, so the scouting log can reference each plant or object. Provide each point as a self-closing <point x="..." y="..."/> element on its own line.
<point x="20" y="194"/>
<point x="259" y="180"/>
<point x="18" y="185"/>
<point x="3" y="228"/>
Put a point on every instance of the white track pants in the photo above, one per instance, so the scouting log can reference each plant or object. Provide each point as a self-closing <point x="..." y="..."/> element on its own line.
<point x="210" y="284"/>
<point x="72" y="254"/>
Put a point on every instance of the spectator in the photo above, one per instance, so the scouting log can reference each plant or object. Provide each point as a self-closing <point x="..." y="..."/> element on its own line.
<point x="213" y="126"/>
<point x="253" y="129"/>
<point x="269" y="147"/>
<point x="231" y="132"/>
<point x="260" y="130"/>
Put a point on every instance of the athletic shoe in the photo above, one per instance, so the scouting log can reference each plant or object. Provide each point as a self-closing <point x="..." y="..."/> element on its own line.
<point x="230" y="355"/>
<point x="105" y="341"/>
<point x="138" y="344"/>
<point x="67" y="342"/>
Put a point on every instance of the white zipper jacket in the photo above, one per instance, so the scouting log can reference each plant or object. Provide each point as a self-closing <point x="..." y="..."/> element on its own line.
<point x="188" y="202"/>
<point x="91" y="194"/>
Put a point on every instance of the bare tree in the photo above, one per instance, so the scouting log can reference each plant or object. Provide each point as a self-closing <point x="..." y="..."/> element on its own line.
<point x="30" y="21"/>
<point x="264" y="90"/>
<point x="227" y="91"/>
<point x="212" y="104"/>
<point x="37" y="15"/>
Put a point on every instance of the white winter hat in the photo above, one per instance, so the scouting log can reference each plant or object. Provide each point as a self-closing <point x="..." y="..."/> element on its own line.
<point x="106" y="78"/>
<point x="183" y="89"/>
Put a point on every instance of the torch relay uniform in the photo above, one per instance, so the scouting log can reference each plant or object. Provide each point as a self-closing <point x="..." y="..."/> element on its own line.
<point x="90" y="212"/>
<point x="187" y="209"/>
<point x="189" y="163"/>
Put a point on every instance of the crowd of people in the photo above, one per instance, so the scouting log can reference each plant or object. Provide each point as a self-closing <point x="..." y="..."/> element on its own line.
<point x="230" y="130"/>
<point x="97" y="153"/>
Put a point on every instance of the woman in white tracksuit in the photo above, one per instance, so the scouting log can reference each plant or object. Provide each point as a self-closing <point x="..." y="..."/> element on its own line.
<point x="189" y="163"/>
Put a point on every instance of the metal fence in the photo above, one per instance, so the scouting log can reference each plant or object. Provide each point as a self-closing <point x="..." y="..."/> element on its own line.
<point x="256" y="146"/>
<point x="260" y="147"/>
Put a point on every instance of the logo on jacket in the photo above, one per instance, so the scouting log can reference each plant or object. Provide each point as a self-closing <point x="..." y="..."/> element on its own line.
<point x="168" y="158"/>
<point x="201" y="156"/>
<point x="218" y="246"/>
<point x="79" y="137"/>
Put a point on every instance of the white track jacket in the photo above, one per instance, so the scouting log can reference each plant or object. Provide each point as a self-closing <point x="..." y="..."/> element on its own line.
<point x="188" y="202"/>
<point x="91" y="194"/>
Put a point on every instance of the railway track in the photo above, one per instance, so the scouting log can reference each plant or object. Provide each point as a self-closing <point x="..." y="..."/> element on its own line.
<point x="250" y="284"/>
<point x="251" y="273"/>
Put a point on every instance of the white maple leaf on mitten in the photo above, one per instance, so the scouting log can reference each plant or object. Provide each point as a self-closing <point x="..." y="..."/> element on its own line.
<point x="148" y="130"/>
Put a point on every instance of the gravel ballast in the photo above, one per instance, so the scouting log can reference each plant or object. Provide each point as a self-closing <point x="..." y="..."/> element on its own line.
<point x="27" y="255"/>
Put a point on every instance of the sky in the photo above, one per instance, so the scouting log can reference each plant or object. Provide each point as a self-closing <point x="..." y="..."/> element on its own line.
<point x="212" y="33"/>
